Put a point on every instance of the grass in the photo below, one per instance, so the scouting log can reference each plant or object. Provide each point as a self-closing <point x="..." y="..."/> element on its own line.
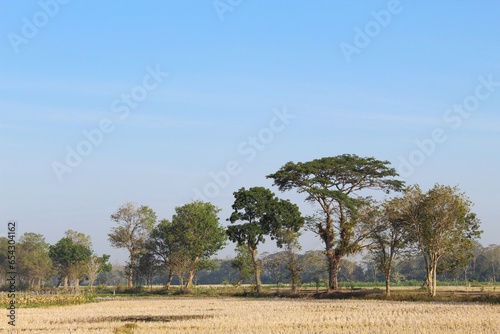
<point x="29" y="300"/>
<point x="411" y="293"/>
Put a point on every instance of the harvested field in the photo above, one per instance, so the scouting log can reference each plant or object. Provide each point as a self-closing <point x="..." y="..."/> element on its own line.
<point x="242" y="315"/>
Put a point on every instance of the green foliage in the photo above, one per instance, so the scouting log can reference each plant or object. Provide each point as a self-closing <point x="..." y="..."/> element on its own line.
<point x="242" y="263"/>
<point x="187" y="243"/>
<point x="65" y="252"/>
<point x="262" y="215"/>
<point x="441" y="224"/>
<point x="333" y="183"/>
<point x="33" y="258"/>
<point x="196" y="226"/>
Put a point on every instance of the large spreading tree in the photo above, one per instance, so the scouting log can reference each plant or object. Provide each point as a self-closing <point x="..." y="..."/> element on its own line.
<point x="334" y="183"/>
<point x="262" y="214"/>
<point x="132" y="232"/>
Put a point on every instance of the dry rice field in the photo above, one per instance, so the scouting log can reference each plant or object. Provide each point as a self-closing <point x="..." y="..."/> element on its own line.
<point x="238" y="315"/>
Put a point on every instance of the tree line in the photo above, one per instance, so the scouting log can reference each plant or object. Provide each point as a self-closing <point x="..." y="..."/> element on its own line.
<point x="68" y="262"/>
<point x="438" y="224"/>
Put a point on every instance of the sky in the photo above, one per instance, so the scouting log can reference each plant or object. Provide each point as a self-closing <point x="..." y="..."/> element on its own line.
<point x="163" y="102"/>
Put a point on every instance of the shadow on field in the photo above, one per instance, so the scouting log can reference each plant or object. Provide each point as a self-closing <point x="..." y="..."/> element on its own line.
<point x="157" y="318"/>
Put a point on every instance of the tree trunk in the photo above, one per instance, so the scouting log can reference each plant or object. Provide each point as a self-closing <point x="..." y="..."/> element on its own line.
<point x="169" y="281"/>
<point x="130" y="278"/>
<point x="434" y="278"/>
<point x="192" y="270"/>
<point x="429" y="281"/>
<point x="256" y="269"/>
<point x="333" y="271"/>
<point x="66" y="281"/>
<point x="388" y="283"/>
<point x="190" y="280"/>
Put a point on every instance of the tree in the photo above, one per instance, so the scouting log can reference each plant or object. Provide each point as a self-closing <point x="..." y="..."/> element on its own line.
<point x="95" y="266"/>
<point x="293" y="265"/>
<point x="4" y="258"/>
<point x="197" y="228"/>
<point x="147" y="267"/>
<point x="79" y="238"/>
<point x="492" y="256"/>
<point x="442" y="226"/>
<point x="34" y="261"/>
<point x="134" y="226"/>
<point x="275" y="265"/>
<point x="76" y="270"/>
<point x="333" y="183"/>
<point x="69" y="259"/>
<point x="263" y="214"/>
<point x="164" y="245"/>
<point x="242" y="263"/>
<point x="316" y="265"/>
<point x="387" y="237"/>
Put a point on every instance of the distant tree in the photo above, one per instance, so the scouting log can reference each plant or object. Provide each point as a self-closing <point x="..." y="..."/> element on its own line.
<point x="333" y="183"/>
<point x="275" y="265"/>
<point x="34" y="262"/>
<point x="116" y="275"/>
<point x="263" y="215"/>
<point x="134" y="226"/>
<point x="441" y="225"/>
<point x="164" y="245"/>
<point x="316" y="265"/>
<point x="147" y="268"/>
<point x="4" y="243"/>
<point x="198" y="230"/>
<point x="79" y="238"/>
<point x="243" y="264"/>
<point x="293" y="264"/>
<point x="96" y="265"/>
<point x="492" y="257"/>
<point x="388" y="236"/>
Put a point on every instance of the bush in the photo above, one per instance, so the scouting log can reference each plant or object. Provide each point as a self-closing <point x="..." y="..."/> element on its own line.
<point x="120" y="288"/>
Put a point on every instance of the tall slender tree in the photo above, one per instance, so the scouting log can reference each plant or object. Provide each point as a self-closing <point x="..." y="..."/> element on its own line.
<point x="388" y="237"/>
<point x="165" y="247"/>
<point x="134" y="226"/>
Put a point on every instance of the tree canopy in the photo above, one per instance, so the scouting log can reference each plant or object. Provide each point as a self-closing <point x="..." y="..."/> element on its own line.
<point x="134" y="226"/>
<point x="441" y="224"/>
<point x="262" y="214"/>
<point x="197" y="229"/>
<point x="334" y="183"/>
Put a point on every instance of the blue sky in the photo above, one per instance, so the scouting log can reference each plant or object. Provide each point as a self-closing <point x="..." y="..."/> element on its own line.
<point x="421" y="89"/>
